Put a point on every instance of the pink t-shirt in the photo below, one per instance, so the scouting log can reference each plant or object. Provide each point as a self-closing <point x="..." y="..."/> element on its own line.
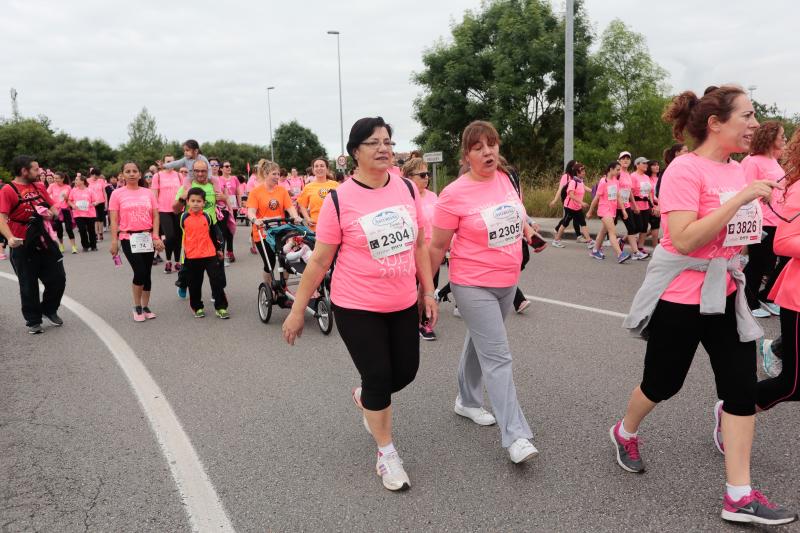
<point x="59" y="194"/>
<point x="395" y="171"/>
<point x="761" y="167"/>
<point x="580" y="190"/>
<point x="694" y="183"/>
<point x="428" y="200"/>
<point x="135" y="208"/>
<point x="641" y="187"/>
<point x="78" y="197"/>
<point x="295" y="186"/>
<point x="167" y="183"/>
<point x="252" y="183"/>
<point x="465" y="206"/>
<point x="607" y="191"/>
<point x="563" y="180"/>
<point x="653" y="183"/>
<point x="98" y="188"/>
<point x="785" y="293"/>
<point x="360" y="281"/>
<point x="625" y="188"/>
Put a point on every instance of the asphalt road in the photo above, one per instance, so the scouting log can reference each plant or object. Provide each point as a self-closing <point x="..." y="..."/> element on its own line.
<point x="284" y="448"/>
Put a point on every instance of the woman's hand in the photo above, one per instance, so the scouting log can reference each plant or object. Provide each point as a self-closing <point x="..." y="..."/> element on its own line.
<point x="158" y="245"/>
<point x="758" y="189"/>
<point x="114" y="249"/>
<point x="431" y="309"/>
<point x="293" y="326"/>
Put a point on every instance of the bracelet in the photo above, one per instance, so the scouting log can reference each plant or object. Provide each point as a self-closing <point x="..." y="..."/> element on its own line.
<point x="429" y="295"/>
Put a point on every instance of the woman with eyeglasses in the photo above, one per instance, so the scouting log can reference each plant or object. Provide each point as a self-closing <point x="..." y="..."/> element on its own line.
<point x="309" y="203"/>
<point x="376" y="223"/>
<point x="762" y="164"/>
<point x="693" y="292"/>
<point x="230" y="185"/>
<point x="416" y="170"/>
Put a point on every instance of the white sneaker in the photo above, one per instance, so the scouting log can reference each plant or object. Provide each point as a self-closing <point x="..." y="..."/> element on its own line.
<point x="393" y="475"/>
<point x="606" y="243"/>
<point x="558" y="244"/>
<point x="227" y="262"/>
<point x="522" y="450"/>
<point x="639" y="256"/>
<point x="456" y="312"/>
<point x="479" y="415"/>
<point x="771" y="364"/>
<point x="761" y="313"/>
<point x="590" y="244"/>
<point x="773" y="308"/>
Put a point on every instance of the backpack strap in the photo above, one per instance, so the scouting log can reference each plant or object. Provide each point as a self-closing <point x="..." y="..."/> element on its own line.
<point x="411" y="188"/>
<point x="21" y="200"/>
<point x="512" y="176"/>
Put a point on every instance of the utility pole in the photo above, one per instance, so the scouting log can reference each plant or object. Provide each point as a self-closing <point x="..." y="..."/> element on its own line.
<point x="14" y="107"/>
<point x="569" y="81"/>
<point x="341" y="116"/>
<point x="269" y="114"/>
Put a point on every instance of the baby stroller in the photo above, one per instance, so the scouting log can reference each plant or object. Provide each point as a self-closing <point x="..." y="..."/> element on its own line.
<point x="241" y="213"/>
<point x="277" y="233"/>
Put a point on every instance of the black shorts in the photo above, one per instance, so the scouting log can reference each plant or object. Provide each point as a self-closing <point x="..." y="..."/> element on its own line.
<point x="631" y="223"/>
<point x="100" y="209"/>
<point x="655" y="221"/>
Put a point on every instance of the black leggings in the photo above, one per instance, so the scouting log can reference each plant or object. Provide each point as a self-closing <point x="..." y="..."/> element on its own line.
<point x="269" y="255"/>
<point x="783" y="388"/>
<point x="384" y="348"/>
<point x="577" y="218"/>
<point x="86" y="229"/>
<point x="762" y="262"/>
<point x="226" y="230"/>
<point x="141" y="264"/>
<point x="675" y="332"/>
<point x="60" y="225"/>
<point x="169" y="224"/>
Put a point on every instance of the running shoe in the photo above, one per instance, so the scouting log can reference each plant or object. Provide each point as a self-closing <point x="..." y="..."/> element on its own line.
<point x="231" y="257"/>
<point x="597" y="254"/>
<point x="226" y="262"/>
<point x="591" y="244"/>
<point x="94" y="248"/>
<point x="253" y="250"/>
<point x="624" y="256"/>
<point x="718" y="427"/>
<point x="390" y="468"/>
<point x="200" y="313"/>
<point x="426" y="332"/>
<point x="772" y="307"/>
<point x="479" y="415"/>
<point x="138" y="314"/>
<point x="558" y="244"/>
<point x="356" y="395"/>
<point x="627" y="450"/>
<point x="148" y="314"/>
<point x="771" y="364"/>
<point x="61" y="247"/>
<point x="3" y="256"/>
<point x="755" y="508"/>
<point x="581" y="239"/>
<point x="639" y="256"/>
<point x="182" y="292"/>
<point x="223" y="313"/>
<point x="523" y="306"/>
<point x="606" y="243"/>
<point x="522" y="450"/>
<point x="456" y="312"/>
<point x="35" y="329"/>
<point x="439" y="298"/>
<point x="54" y="319"/>
<point x="761" y="313"/>
<point x="168" y="267"/>
<point x="74" y="249"/>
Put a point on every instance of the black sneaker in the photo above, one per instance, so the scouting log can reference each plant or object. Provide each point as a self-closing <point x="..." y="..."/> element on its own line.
<point x="755" y="508"/>
<point x="35" y="329"/>
<point x="627" y="450"/>
<point x="55" y="319"/>
<point x="426" y="332"/>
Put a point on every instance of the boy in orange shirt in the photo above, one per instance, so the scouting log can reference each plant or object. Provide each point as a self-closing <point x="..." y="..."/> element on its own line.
<point x="202" y="244"/>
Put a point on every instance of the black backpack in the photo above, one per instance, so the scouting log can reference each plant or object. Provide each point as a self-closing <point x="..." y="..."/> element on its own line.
<point x="37" y="238"/>
<point x="335" y="197"/>
<point x="564" y="189"/>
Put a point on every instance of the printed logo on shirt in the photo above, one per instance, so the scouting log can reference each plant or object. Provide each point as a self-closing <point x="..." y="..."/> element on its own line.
<point x="323" y="193"/>
<point x="273" y="204"/>
<point x="385" y="217"/>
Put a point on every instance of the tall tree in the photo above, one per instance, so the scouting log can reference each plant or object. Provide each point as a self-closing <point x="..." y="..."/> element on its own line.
<point x="296" y="146"/>
<point x="144" y="142"/>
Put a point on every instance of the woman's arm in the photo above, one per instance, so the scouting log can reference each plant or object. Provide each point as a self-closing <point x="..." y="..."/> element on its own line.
<point x="114" y="233"/>
<point x="427" y="301"/>
<point x="440" y="242"/>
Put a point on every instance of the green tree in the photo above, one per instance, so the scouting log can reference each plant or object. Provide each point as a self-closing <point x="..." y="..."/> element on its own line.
<point x="144" y="145"/>
<point x="296" y="146"/>
<point x="27" y="136"/>
<point x="238" y="154"/>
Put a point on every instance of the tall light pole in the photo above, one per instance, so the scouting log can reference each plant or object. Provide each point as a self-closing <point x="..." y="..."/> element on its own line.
<point x="341" y="116"/>
<point x="269" y="114"/>
<point x="752" y="89"/>
<point x="569" y="81"/>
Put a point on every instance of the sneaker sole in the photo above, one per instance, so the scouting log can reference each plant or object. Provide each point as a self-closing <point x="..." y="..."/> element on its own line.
<point x="750" y="519"/>
<point x="616" y="451"/>
<point x="401" y="488"/>
<point x="459" y="412"/>
<point x="717" y="423"/>
<point x="532" y="455"/>
<point x="56" y="324"/>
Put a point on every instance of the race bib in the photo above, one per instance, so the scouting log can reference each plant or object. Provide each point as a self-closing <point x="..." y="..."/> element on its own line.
<point x="745" y="226"/>
<point x="503" y="224"/>
<point x="232" y="201"/>
<point x="612" y="193"/>
<point x="82" y="205"/>
<point x="625" y="194"/>
<point x="141" y="243"/>
<point x="645" y="187"/>
<point x="389" y="231"/>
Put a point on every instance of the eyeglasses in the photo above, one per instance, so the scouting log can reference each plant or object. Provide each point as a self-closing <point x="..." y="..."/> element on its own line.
<point x="201" y="171"/>
<point x="183" y="171"/>
<point x="423" y="175"/>
<point x="377" y="144"/>
<point x="226" y="166"/>
<point x="214" y="164"/>
<point x="769" y="204"/>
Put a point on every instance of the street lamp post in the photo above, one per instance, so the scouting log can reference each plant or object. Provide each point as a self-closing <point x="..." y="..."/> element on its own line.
<point x="752" y="89"/>
<point x="269" y="115"/>
<point x="569" y="87"/>
<point x="341" y="116"/>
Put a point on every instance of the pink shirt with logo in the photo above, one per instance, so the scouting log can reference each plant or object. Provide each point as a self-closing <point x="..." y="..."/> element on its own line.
<point x="87" y="195"/>
<point x="576" y="186"/>
<point x="761" y="167"/>
<point x="359" y="281"/>
<point x="472" y="261"/>
<point x="625" y="188"/>
<point x="295" y="186"/>
<point x="135" y="207"/>
<point x="428" y="200"/>
<point x="694" y="183"/>
<point x="637" y="180"/>
<point x="167" y="183"/>
<point x="607" y="192"/>
<point x="59" y="194"/>
<point x="98" y="188"/>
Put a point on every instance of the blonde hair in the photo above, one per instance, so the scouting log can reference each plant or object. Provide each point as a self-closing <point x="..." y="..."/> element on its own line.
<point x="412" y="165"/>
<point x="264" y="167"/>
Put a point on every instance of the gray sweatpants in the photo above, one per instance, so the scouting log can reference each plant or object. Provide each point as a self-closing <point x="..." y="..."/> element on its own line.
<point x="486" y="358"/>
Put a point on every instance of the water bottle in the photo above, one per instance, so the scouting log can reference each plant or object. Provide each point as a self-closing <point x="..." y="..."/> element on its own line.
<point x="117" y="261"/>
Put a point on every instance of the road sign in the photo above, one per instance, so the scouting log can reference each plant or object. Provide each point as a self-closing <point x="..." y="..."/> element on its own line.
<point x="433" y="157"/>
<point x="341" y="162"/>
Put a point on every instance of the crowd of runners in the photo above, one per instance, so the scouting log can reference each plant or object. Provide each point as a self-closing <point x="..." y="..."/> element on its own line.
<point x="385" y="235"/>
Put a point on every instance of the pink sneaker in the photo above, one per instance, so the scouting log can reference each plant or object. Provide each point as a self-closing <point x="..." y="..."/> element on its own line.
<point x="138" y="314"/>
<point x="755" y="508"/>
<point x="148" y="314"/>
<point x="628" y="456"/>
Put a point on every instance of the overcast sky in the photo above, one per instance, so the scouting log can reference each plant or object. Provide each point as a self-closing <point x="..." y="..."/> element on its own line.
<point x="202" y="67"/>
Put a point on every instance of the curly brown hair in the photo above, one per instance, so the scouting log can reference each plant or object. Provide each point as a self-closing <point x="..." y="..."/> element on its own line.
<point x="791" y="159"/>
<point x="765" y="136"/>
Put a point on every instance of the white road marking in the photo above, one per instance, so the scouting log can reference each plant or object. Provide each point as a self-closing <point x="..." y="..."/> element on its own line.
<point x="576" y="306"/>
<point x="200" y="500"/>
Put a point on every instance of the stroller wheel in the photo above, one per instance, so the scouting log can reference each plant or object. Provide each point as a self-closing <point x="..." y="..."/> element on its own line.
<point x="324" y="315"/>
<point x="264" y="303"/>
